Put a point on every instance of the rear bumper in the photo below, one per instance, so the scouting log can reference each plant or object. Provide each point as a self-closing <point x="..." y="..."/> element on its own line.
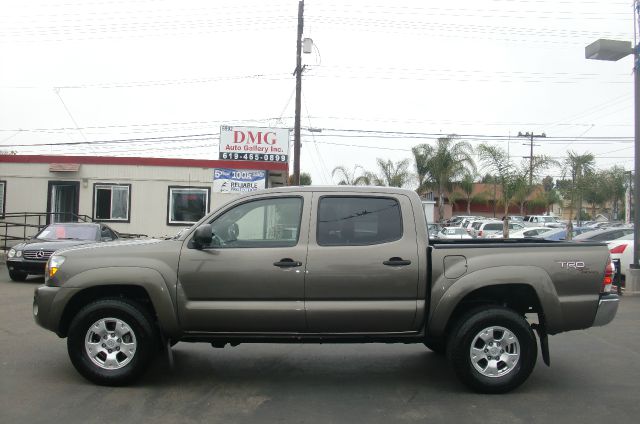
<point x="607" y="309"/>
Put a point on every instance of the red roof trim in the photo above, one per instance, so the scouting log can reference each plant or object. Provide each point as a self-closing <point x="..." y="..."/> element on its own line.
<point x="112" y="160"/>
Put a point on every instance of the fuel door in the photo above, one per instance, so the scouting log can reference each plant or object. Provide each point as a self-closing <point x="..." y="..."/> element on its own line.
<point x="455" y="266"/>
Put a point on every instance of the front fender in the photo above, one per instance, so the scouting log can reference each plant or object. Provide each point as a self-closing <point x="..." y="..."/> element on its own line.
<point x="447" y="294"/>
<point x="147" y="278"/>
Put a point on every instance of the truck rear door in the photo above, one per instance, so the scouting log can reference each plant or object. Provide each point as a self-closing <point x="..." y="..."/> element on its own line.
<point x="362" y="263"/>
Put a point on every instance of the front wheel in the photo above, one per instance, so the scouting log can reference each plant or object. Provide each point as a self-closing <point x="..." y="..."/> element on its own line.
<point x="111" y="341"/>
<point x="493" y="350"/>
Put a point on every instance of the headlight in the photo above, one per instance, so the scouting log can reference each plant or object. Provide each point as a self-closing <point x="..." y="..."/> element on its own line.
<point x="53" y="265"/>
<point x="12" y="253"/>
<point x="18" y="253"/>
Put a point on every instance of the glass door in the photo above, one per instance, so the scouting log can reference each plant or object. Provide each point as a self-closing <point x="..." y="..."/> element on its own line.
<point x="63" y="201"/>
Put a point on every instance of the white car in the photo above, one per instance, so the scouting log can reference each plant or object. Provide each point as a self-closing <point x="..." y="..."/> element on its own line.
<point x="455" y="233"/>
<point x="530" y="232"/>
<point x="622" y="249"/>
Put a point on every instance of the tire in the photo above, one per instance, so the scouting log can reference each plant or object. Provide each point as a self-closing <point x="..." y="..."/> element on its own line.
<point x="492" y="333"/>
<point x="436" y="346"/>
<point x="18" y="275"/>
<point x="122" y="337"/>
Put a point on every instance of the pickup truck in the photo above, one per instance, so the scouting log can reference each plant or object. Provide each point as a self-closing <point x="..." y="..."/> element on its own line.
<point x="323" y="265"/>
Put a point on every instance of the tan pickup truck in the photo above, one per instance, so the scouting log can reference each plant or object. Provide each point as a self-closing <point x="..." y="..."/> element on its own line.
<point x="322" y="265"/>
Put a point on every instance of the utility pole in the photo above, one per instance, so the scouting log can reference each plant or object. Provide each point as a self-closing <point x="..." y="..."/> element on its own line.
<point x="530" y="157"/>
<point x="298" y="74"/>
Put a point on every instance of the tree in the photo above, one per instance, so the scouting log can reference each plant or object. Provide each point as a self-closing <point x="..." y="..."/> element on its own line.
<point x="496" y="161"/>
<point x="576" y="167"/>
<point x="549" y="196"/>
<point x="616" y="181"/>
<point x="350" y="177"/>
<point x="596" y="190"/>
<point x="530" y="172"/>
<point x="391" y="174"/>
<point x="438" y="166"/>
<point x="465" y="192"/>
<point x="305" y="179"/>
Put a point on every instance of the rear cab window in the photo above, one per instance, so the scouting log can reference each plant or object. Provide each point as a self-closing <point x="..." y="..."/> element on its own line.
<point x="358" y="220"/>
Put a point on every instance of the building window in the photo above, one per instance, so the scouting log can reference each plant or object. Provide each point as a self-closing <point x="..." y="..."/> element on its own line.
<point x="187" y="204"/>
<point x="3" y="191"/>
<point x="111" y="202"/>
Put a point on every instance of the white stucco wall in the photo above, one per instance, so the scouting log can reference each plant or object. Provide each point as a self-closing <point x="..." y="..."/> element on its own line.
<point x="27" y="186"/>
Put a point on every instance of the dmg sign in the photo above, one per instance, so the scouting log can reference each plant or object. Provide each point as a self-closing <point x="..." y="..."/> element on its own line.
<point x="253" y="143"/>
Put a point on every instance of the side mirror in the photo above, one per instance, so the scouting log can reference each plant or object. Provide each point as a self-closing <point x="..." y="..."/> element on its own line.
<point x="203" y="235"/>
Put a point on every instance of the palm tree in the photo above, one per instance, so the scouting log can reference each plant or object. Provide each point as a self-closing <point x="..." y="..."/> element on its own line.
<point x="530" y="173"/>
<point x="350" y="177"/>
<point x="438" y="166"/>
<point x="496" y="161"/>
<point x="577" y="167"/>
<point x="391" y="174"/>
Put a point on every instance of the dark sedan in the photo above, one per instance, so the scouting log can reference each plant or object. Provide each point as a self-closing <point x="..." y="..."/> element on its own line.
<point x="30" y="257"/>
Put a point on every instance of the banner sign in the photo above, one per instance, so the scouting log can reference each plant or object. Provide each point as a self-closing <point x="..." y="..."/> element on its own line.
<point x="238" y="180"/>
<point x="253" y="143"/>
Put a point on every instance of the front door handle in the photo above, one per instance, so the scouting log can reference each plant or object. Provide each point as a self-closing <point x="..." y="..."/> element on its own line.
<point x="287" y="263"/>
<point x="396" y="261"/>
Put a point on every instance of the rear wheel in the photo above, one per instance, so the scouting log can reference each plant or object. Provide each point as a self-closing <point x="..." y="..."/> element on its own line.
<point x="112" y="341"/>
<point x="493" y="350"/>
<point x="18" y="275"/>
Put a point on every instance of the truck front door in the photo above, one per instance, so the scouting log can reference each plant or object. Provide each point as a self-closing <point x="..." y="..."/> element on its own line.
<point x="362" y="264"/>
<point x="251" y="277"/>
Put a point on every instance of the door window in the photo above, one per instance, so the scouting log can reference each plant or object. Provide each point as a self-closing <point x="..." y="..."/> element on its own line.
<point x="354" y="221"/>
<point x="260" y="223"/>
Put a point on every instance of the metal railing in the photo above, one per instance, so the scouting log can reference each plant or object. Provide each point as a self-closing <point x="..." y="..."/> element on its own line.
<point x="20" y="226"/>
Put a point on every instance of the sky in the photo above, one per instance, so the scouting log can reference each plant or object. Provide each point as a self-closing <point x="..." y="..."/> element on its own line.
<point x="157" y="78"/>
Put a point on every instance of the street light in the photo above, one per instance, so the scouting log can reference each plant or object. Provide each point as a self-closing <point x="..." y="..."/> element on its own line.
<point x="613" y="50"/>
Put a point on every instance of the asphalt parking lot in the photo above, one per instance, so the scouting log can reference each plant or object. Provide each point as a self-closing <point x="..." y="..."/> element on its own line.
<point x="594" y="378"/>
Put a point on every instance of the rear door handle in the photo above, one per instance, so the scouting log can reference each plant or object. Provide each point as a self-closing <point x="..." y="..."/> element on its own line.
<point x="287" y="263"/>
<point x="395" y="261"/>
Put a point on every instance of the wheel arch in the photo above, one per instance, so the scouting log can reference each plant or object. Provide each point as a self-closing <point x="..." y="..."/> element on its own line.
<point x="143" y="285"/>
<point x="527" y="290"/>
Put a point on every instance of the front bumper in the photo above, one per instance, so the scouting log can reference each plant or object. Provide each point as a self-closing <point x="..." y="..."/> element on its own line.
<point x="23" y="265"/>
<point x="607" y="309"/>
<point x="48" y="306"/>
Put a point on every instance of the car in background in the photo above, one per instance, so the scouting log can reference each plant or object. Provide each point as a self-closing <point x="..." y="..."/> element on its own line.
<point x="30" y="257"/>
<point x="493" y="228"/>
<point x="434" y="229"/>
<point x="530" y="232"/>
<point x="556" y="234"/>
<point x="453" y="233"/>
<point x="604" y="235"/>
<point x="517" y="218"/>
<point x="622" y="249"/>
<point x="542" y="221"/>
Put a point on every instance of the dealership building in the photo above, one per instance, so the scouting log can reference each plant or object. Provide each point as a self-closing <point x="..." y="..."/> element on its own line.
<point x="139" y="195"/>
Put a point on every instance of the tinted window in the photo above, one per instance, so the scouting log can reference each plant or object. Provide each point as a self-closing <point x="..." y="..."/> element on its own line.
<point x="490" y="227"/>
<point x="261" y="223"/>
<point x="352" y="221"/>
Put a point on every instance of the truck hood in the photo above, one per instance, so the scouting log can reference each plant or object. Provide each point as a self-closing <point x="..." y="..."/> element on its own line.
<point x="106" y="248"/>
